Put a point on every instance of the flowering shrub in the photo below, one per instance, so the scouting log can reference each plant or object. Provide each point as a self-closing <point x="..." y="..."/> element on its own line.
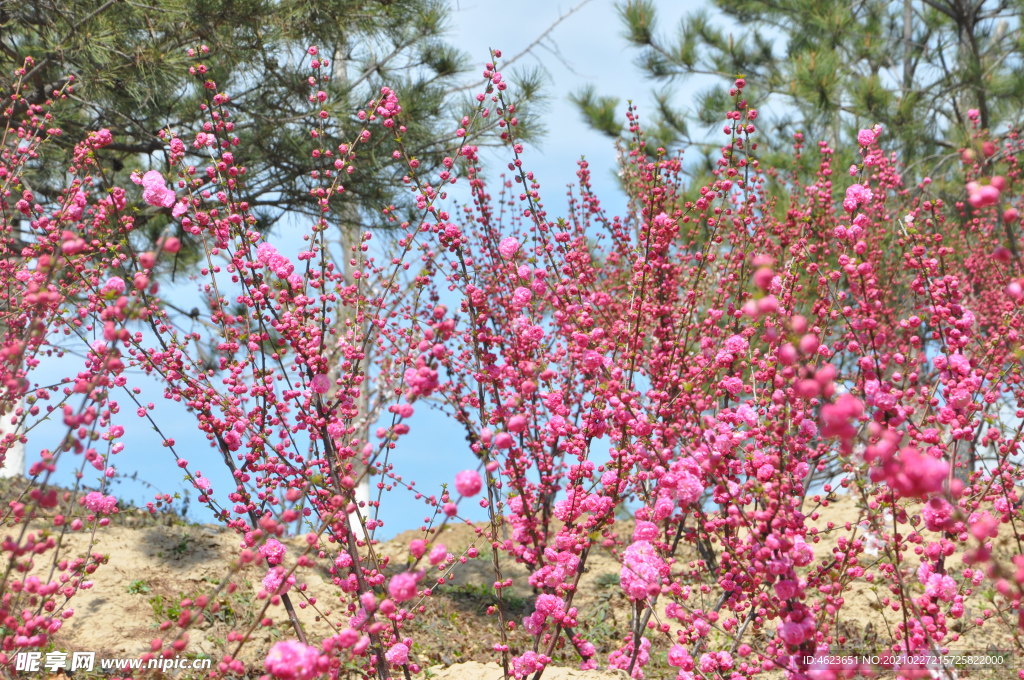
<point x="744" y="351"/>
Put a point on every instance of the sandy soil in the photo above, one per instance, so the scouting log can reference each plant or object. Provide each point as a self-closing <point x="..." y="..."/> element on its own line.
<point x="153" y="565"/>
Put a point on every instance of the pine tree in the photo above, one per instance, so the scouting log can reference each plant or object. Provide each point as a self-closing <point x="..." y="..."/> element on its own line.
<point x="130" y="71"/>
<point x="827" y="68"/>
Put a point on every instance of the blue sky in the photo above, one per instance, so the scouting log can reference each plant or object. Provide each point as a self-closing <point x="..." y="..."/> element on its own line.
<point x="587" y="47"/>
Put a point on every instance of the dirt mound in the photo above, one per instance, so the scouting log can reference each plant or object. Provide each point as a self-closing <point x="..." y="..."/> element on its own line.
<point x="152" y="566"/>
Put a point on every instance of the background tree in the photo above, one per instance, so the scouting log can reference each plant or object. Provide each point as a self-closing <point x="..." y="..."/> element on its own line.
<point x="827" y="68"/>
<point x="130" y="65"/>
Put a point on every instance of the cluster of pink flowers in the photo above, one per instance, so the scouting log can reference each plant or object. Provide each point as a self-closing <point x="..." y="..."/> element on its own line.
<point x="275" y="581"/>
<point x="629" y="658"/>
<point x="868" y="136"/>
<point x="642" y="569"/>
<point x="99" y="503"/>
<point x="269" y="256"/>
<point x="273" y="551"/>
<point x="292" y="660"/>
<point x="528" y="663"/>
<point x="856" y="196"/>
<point x="398" y="654"/>
<point x="156" y="192"/>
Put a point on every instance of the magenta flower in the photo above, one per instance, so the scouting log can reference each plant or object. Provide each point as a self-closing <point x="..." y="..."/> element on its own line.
<point x="154" y="189"/>
<point x="856" y="196"/>
<point x="98" y="503"/>
<point x="981" y="195"/>
<point x="508" y="247"/>
<point x="679" y="657"/>
<point x="398" y="654"/>
<point x="402" y="587"/>
<point x="468" y="483"/>
<point x="274" y="261"/>
<point x="273" y="550"/>
<point x="642" y="570"/>
<point x="417" y="547"/>
<point x="115" y="285"/>
<point x="530" y="662"/>
<point x="100" y="138"/>
<point x="320" y="383"/>
<point x="866" y="137"/>
<point x="521" y="297"/>
<point x="273" y="579"/>
<point x="292" y="660"/>
<point x="422" y="380"/>
<point x="913" y="474"/>
<point x="438" y="554"/>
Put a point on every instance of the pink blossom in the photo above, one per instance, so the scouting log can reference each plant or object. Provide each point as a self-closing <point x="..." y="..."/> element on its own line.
<point x="275" y="579"/>
<point x="98" y="503"/>
<point x="115" y="285"/>
<point x="320" y="383"/>
<point x="279" y="264"/>
<point x="527" y="664"/>
<point x="941" y="587"/>
<point x="839" y="418"/>
<point x="438" y="554"/>
<point x="561" y="564"/>
<point x="983" y="525"/>
<point x="273" y="551"/>
<point x="422" y="380"/>
<point x="547" y="606"/>
<point x="154" y="189"/>
<point x="856" y="195"/>
<point x="508" y="247"/>
<point x="100" y="138"/>
<point x="736" y="344"/>
<point x="913" y="474"/>
<point x="642" y="570"/>
<point x="981" y="195"/>
<point x="801" y="553"/>
<point x="521" y="297"/>
<point x="398" y="654"/>
<point x="645" y="531"/>
<point x="866" y="137"/>
<point x="798" y="626"/>
<point x="622" y="657"/>
<point x="681" y="482"/>
<point x="516" y="423"/>
<point x="468" y="483"/>
<point x="787" y="589"/>
<point x="292" y="660"/>
<point x="937" y="514"/>
<point x="403" y="586"/>
<point x="679" y="657"/>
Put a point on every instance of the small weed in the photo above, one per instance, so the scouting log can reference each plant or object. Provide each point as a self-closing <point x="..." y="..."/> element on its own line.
<point x="180" y="548"/>
<point x="138" y="586"/>
<point x="164" y="609"/>
<point x="483" y="597"/>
